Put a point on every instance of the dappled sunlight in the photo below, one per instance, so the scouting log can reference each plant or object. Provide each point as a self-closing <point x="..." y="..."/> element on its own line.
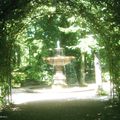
<point x="56" y="93"/>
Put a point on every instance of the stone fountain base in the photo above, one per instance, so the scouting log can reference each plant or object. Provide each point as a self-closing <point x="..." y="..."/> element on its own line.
<point x="59" y="79"/>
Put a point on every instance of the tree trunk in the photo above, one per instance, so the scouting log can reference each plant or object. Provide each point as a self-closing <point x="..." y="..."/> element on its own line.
<point x="98" y="73"/>
<point x="82" y="81"/>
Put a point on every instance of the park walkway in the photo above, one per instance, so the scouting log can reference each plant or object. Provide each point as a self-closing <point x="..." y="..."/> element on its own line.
<point x="34" y="93"/>
<point x="84" y="109"/>
<point x="61" y="104"/>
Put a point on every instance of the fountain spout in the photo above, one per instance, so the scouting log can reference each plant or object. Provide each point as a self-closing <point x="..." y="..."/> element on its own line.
<point x="58" y="44"/>
<point x="58" y="49"/>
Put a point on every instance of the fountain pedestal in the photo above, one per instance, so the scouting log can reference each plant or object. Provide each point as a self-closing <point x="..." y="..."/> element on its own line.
<point x="59" y="79"/>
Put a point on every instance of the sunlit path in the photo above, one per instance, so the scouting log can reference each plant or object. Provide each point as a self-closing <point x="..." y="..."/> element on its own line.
<point x="24" y="95"/>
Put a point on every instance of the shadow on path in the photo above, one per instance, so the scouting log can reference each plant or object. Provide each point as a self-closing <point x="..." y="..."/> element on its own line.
<point x="64" y="110"/>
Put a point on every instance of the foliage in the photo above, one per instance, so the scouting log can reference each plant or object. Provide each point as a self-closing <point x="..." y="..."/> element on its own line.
<point x="30" y="28"/>
<point x="101" y="92"/>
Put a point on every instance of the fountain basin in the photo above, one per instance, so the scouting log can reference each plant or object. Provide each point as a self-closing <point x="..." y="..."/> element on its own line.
<point x="59" y="60"/>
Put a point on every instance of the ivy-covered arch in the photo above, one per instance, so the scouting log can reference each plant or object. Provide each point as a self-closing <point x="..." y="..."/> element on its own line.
<point x="102" y="16"/>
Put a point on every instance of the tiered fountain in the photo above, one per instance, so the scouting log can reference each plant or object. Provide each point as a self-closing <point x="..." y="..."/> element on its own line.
<point x="59" y="61"/>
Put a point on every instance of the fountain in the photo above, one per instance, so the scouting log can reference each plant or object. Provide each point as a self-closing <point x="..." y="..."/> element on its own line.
<point x="59" y="61"/>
